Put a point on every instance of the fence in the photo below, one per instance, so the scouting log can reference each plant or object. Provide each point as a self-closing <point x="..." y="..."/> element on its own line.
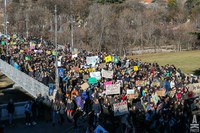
<point x="28" y="83"/>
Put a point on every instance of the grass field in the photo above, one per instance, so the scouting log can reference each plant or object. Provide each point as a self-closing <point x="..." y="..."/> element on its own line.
<point x="187" y="61"/>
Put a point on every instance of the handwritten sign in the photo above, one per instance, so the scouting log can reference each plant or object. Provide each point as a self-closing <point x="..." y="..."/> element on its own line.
<point x="113" y="89"/>
<point x="92" y="60"/>
<point x="107" y="74"/>
<point x="160" y="92"/>
<point x="84" y="86"/>
<point x="96" y="75"/>
<point x="195" y="88"/>
<point x="135" y="68"/>
<point x="120" y="108"/>
<point x="108" y="58"/>
<point x="130" y="91"/>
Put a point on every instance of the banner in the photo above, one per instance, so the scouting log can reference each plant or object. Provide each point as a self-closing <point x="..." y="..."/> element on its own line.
<point x="130" y="91"/>
<point x="120" y="108"/>
<point x="61" y="72"/>
<point x="112" y="89"/>
<point x="96" y="75"/>
<point x="84" y="86"/>
<point x="107" y="74"/>
<point x="92" y="60"/>
<point x="108" y="58"/>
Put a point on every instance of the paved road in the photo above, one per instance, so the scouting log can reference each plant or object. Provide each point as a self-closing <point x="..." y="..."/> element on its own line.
<point x="42" y="127"/>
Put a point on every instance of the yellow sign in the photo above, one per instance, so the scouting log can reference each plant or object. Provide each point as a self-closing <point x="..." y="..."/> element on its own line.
<point x="108" y="58"/>
<point x="135" y="68"/>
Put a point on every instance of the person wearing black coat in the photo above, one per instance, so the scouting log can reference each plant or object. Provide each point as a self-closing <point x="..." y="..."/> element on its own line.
<point x="11" y="109"/>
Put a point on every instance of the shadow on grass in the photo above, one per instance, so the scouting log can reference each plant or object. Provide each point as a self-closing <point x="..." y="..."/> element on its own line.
<point x="197" y="72"/>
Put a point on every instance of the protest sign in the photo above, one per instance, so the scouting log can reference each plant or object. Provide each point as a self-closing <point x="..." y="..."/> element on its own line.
<point x="85" y="76"/>
<point x="96" y="75"/>
<point x="138" y="83"/>
<point x="135" y="68"/>
<point x="54" y="53"/>
<point x="160" y="92"/>
<point x="76" y="69"/>
<point x="27" y="57"/>
<point x="108" y="58"/>
<point x="59" y="63"/>
<point x="120" y="82"/>
<point x="107" y="74"/>
<point x="130" y="91"/>
<point x="92" y="81"/>
<point x="195" y="88"/>
<point x="120" y="108"/>
<point x="84" y="86"/>
<point x="74" y="55"/>
<point x="92" y="60"/>
<point x="113" y="89"/>
<point x="61" y="72"/>
<point x="107" y="83"/>
<point x="116" y="59"/>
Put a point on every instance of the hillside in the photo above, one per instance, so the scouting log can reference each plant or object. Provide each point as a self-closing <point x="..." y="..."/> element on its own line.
<point x="114" y="25"/>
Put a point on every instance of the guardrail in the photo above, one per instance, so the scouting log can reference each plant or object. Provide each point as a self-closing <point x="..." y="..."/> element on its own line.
<point x="31" y="85"/>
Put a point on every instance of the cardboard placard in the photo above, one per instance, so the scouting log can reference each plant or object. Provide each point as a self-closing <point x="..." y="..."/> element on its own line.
<point x="120" y="108"/>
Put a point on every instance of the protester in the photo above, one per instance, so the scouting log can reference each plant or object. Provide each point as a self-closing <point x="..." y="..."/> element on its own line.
<point x="28" y="112"/>
<point x="148" y="97"/>
<point x="11" y="110"/>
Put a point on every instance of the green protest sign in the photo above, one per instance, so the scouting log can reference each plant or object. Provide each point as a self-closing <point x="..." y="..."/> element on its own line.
<point x="27" y="57"/>
<point x="92" y="81"/>
<point x="54" y="53"/>
<point x="3" y="43"/>
<point x="116" y="59"/>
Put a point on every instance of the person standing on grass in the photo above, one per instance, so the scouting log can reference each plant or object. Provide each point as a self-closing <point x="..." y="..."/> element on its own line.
<point x="11" y="110"/>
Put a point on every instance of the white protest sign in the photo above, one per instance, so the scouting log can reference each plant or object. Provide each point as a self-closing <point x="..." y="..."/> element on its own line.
<point x="130" y="91"/>
<point x="120" y="108"/>
<point x="195" y="88"/>
<point x="92" y="60"/>
<point x="112" y="89"/>
<point x="96" y="75"/>
<point x="74" y="55"/>
<point x="120" y="82"/>
<point x="107" y="74"/>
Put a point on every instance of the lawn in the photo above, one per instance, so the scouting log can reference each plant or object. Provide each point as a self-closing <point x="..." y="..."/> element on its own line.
<point x="187" y="61"/>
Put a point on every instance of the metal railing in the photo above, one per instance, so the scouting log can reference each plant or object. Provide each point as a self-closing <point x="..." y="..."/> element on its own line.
<point x="31" y="85"/>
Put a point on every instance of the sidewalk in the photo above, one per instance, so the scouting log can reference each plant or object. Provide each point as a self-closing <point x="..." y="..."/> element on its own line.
<point x="41" y="127"/>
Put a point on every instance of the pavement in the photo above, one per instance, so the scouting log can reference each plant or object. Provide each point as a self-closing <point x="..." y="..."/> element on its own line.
<point x="41" y="127"/>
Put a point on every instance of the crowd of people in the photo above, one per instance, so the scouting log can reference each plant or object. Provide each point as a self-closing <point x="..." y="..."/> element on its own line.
<point x="160" y="100"/>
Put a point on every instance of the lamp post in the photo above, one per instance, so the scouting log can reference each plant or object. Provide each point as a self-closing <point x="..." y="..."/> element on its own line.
<point x="27" y="21"/>
<point x="5" y="24"/>
<point x="56" y="44"/>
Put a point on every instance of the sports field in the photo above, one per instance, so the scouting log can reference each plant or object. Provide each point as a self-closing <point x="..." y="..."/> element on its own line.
<point x="187" y="61"/>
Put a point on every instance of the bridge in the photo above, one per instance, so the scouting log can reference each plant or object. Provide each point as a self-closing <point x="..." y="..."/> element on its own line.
<point x="29" y="84"/>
